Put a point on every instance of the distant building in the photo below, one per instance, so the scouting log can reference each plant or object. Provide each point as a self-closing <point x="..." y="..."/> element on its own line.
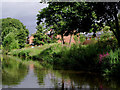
<point x="30" y="40"/>
<point x="66" y="38"/>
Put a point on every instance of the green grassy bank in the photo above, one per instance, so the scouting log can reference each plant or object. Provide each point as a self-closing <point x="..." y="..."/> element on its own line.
<point x="102" y="57"/>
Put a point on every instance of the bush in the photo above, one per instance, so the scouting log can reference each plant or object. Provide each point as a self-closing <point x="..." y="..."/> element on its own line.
<point x="82" y="38"/>
<point x="15" y="52"/>
<point x="24" y="53"/>
<point x="76" y="39"/>
<point x="105" y="36"/>
<point x="10" y="42"/>
<point x="27" y="45"/>
<point x="111" y="64"/>
<point x="76" y="57"/>
<point x="21" y="53"/>
<point x="41" y="43"/>
<point x="83" y="56"/>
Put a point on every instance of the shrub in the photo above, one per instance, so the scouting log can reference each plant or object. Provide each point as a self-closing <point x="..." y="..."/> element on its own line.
<point x="27" y="45"/>
<point x="82" y="56"/>
<point x="10" y="42"/>
<point x="76" y="39"/>
<point x="24" y="53"/>
<point x="82" y="38"/>
<point x="41" y="43"/>
<point x="15" y="52"/>
<point x="111" y="64"/>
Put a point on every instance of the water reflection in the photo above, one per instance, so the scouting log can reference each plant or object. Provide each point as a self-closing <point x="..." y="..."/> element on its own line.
<point x="73" y="79"/>
<point x="13" y="71"/>
<point x="30" y="81"/>
<point x="17" y="74"/>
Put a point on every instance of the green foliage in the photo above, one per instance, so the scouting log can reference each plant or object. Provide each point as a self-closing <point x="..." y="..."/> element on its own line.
<point x="15" y="52"/>
<point x="10" y="42"/>
<point x="47" y="54"/>
<point x="76" y="39"/>
<point x="14" y="44"/>
<point x="1" y="47"/>
<point x="109" y="16"/>
<point x="41" y="43"/>
<point x="79" y="57"/>
<point x="7" y="30"/>
<point x="69" y="18"/>
<point x="111" y="63"/>
<point x="27" y="45"/>
<point x="84" y="57"/>
<point x="114" y="56"/>
<point x="13" y="25"/>
<point x="106" y="29"/>
<point x="13" y="70"/>
<point x="76" y="57"/>
<point x="105" y="36"/>
<point x="21" y="37"/>
<point x="24" y="53"/>
<point x="21" y="53"/>
<point x="39" y="36"/>
<point x="82" y="38"/>
<point x="36" y="41"/>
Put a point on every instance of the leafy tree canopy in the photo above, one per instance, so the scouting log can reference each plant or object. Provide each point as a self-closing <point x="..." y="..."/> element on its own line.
<point x="108" y="14"/>
<point x="10" y="42"/>
<point x="40" y="37"/>
<point x="71" y="17"/>
<point x="13" y="25"/>
<point x="67" y="17"/>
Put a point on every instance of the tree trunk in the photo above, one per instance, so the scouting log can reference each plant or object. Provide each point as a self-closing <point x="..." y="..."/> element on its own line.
<point x="118" y="42"/>
<point x="115" y="33"/>
<point x="70" y="39"/>
<point x="117" y="28"/>
<point x="62" y="39"/>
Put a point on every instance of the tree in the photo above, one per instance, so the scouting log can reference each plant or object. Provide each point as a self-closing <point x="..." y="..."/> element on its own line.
<point x="10" y="42"/>
<point x="82" y="16"/>
<point x="106" y="33"/>
<point x="67" y="18"/>
<point x="21" y="37"/>
<point x="13" y="25"/>
<point x="7" y="30"/>
<point x="108" y="13"/>
<point x="39" y="36"/>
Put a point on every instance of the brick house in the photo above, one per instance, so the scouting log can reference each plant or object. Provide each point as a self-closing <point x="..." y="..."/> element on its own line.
<point x="66" y="38"/>
<point x="30" y="40"/>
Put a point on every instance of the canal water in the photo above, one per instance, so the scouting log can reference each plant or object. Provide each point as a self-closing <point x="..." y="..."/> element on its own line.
<point x="17" y="74"/>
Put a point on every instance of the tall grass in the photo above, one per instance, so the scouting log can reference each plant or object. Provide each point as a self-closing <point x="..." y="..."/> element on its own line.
<point x="29" y="52"/>
<point x="77" y="57"/>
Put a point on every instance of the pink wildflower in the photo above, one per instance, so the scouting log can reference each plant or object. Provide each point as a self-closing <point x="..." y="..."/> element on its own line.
<point x="101" y="56"/>
<point x="107" y="53"/>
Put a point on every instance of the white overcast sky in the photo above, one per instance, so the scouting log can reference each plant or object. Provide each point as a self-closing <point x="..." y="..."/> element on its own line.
<point x="24" y="10"/>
